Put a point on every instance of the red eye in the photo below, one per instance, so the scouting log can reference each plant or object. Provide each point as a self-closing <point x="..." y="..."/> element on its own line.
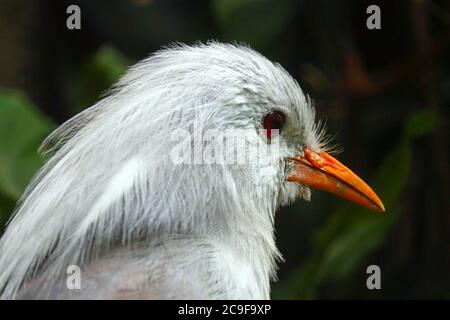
<point x="273" y="121"/>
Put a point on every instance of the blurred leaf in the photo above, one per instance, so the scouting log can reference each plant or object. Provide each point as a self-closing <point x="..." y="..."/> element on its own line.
<point x="253" y="21"/>
<point x="351" y="233"/>
<point x="98" y="74"/>
<point x="420" y="123"/>
<point x="6" y="207"/>
<point x="22" y="129"/>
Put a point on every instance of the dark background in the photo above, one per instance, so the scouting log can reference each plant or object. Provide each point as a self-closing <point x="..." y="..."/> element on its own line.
<point x="384" y="93"/>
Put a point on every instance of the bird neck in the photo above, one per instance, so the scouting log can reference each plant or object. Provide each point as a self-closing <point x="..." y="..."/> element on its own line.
<point x="237" y="222"/>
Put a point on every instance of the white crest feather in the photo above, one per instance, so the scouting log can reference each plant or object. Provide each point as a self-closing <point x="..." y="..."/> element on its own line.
<point x="109" y="181"/>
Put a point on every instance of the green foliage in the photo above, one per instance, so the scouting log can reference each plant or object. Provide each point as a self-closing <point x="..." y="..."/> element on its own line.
<point x="97" y="75"/>
<point x="252" y="21"/>
<point x="351" y="233"/>
<point x="420" y="123"/>
<point x="22" y="128"/>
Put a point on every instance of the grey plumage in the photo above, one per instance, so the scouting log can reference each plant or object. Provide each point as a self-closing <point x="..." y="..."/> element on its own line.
<point x="110" y="200"/>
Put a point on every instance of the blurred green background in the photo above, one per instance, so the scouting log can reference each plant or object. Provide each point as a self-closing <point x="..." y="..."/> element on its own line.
<point x="385" y="94"/>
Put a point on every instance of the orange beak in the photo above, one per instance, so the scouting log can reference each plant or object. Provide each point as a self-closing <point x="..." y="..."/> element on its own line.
<point x="322" y="171"/>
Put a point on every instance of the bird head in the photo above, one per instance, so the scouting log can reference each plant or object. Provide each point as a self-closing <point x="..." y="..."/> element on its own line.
<point x="255" y="121"/>
<point x="205" y="140"/>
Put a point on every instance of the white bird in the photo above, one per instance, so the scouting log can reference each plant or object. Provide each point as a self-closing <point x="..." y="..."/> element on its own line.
<point x="139" y="225"/>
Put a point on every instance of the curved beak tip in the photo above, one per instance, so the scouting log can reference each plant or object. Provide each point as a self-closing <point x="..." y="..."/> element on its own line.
<point x="321" y="171"/>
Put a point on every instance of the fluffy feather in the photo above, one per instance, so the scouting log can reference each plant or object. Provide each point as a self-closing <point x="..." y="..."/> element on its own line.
<point x="110" y="195"/>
